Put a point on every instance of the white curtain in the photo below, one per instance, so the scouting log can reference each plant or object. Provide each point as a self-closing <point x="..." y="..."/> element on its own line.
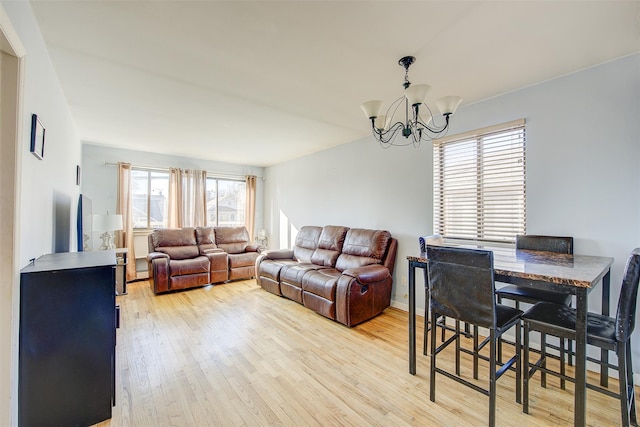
<point x="124" y="237"/>
<point x="187" y="198"/>
<point x="250" y="217"/>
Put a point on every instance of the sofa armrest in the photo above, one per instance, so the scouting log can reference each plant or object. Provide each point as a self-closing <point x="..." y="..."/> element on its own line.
<point x="158" y="263"/>
<point x="211" y="251"/>
<point x="368" y="273"/>
<point x="156" y="255"/>
<point x="252" y="248"/>
<point x="278" y="254"/>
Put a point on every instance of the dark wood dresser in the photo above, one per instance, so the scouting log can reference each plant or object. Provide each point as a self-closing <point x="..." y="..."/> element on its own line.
<point x="68" y="320"/>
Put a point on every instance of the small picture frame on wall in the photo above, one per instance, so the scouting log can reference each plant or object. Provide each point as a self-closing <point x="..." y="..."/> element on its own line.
<point x="78" y="172"/>
<point x="37" y="137"/>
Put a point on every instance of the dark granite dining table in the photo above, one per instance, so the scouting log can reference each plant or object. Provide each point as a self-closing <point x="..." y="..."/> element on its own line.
<point x="544" y="270"/>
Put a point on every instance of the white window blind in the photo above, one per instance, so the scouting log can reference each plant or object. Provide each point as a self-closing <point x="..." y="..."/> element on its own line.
<point x="479" y="184"/>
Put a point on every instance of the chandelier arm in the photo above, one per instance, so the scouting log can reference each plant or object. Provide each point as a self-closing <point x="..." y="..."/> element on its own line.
<point x="394" y="105"/>
<point x="435" y="130"/>
<point x="384" y="136"/>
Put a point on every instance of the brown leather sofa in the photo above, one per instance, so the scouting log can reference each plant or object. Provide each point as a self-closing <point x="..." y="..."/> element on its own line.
<point x="190" y="257"/>
<point x="341" y="273"/>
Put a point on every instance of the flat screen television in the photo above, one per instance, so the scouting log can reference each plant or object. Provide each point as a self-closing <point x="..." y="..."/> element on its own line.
<point x="84" y="224"/>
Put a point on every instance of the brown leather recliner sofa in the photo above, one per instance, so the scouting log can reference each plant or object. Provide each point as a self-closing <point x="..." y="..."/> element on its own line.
<point x="341" y="273"/>
<point x="189" y="257"/>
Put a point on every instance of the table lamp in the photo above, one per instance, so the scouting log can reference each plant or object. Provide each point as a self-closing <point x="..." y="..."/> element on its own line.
<point x="107" y="224"/>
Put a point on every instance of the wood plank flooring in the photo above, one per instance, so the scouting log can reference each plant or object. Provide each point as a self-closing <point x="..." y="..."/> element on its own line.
<point x="236" y="355"/>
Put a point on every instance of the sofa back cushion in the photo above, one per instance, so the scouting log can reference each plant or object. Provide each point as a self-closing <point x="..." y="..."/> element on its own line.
<point x="233" y="240"/>
<point x="178" y="243"/>
<point x="306" y="243"/>
<point x="329" y="245"/>
<point x="206" y="239"/>
<point x="363" y="247"/>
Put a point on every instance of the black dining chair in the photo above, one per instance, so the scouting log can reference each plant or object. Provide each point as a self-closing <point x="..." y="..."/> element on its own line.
<point x="462" y="287"/>
<point x="531" y="295"/>
<point x="612" y="334"/>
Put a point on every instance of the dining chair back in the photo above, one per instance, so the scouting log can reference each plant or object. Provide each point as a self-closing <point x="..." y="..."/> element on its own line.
<point x="562" y="245"/>
<point x="462" y="288"/>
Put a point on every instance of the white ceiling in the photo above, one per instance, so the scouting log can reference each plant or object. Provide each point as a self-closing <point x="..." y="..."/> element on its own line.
<point x="260" y="82"/>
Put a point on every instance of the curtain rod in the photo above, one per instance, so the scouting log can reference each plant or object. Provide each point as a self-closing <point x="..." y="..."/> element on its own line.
<point x="216" y="174"/>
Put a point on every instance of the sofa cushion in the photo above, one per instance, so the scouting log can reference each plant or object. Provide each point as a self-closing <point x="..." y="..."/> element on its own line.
<point x="322" y="283"/>
<point x="329" y="245"/>
<point x="271" y="268"/>
<point x="179" y="252"/>
<point x="205" y="239"/>
<point x="367" y="243"/>
<point x="306" y="243"/>
<point x="243" y="260"/>
<point x="233" y="240"/>
<point x="174" y="237"/>
<point x="196" y="265"/>
<point x="362" y="247"/>
<point x="346" y="262"/>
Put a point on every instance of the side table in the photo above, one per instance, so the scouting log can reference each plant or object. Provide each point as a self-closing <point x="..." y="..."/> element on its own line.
<point x="121" y="271"/>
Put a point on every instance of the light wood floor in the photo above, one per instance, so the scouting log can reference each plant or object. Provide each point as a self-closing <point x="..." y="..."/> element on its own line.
<point x="234" y="354"/>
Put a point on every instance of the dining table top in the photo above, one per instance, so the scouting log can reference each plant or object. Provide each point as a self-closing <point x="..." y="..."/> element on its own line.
<point x="583" y="271"/>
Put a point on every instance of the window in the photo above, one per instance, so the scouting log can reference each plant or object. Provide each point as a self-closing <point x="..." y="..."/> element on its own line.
<point x="149" y="198"/>
<point x="226" y="202"/>
<point x="479" y="184"/>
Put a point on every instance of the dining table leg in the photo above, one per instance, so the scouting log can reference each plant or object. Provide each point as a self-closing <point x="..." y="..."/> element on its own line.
<point x="604" y="354"/>
<point x="412" y="317"/>
<point x="580" y="407"/>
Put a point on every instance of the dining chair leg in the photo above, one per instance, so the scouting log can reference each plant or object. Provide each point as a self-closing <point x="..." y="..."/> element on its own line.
<point x="623" y="379"/>
<point x="432" y="372"/>
<point x="543" y="359"/>
<point x="525" y="388"/>
<point x="476" y="350"/>
<point x="518" y="350"/>
<point x="562" y="365"/>
<point x="492" y="378"/>
<point x="632" y="388"/>
<point x="457" y="347"/>
<point x="444" y="329"/>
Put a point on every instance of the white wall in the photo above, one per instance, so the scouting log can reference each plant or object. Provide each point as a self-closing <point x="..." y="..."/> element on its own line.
<point x="583" y="173"/>
<point x="48" y="196"/>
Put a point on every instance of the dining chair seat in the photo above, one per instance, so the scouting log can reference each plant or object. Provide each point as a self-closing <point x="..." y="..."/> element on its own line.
<point x="532" y="295"/>
<point x="555" y="319"/>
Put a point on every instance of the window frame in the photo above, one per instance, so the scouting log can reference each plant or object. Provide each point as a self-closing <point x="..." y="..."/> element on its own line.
<point x="149" y="171"/>
<point x="217" y="180"/>
<point x="481" y="225"/>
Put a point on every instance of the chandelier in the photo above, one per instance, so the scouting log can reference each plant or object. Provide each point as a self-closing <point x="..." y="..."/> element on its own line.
<point x="417" y="125"/>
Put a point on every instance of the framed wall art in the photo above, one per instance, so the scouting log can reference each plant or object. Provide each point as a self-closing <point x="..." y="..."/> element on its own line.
<point x="37" y="137"/>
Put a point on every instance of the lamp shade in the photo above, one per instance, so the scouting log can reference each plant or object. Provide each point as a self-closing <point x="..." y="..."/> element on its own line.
<point x="448" y="104"/>
<point x="425" y="116"/>
<point x="107" y="222"/>
<point x="381" y="122"/>
<point x="371" y="108"/>
<point x="416" y="94"/>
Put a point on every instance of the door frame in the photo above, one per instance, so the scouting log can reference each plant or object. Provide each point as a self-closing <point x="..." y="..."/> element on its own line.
<point x="10" y="164"/>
